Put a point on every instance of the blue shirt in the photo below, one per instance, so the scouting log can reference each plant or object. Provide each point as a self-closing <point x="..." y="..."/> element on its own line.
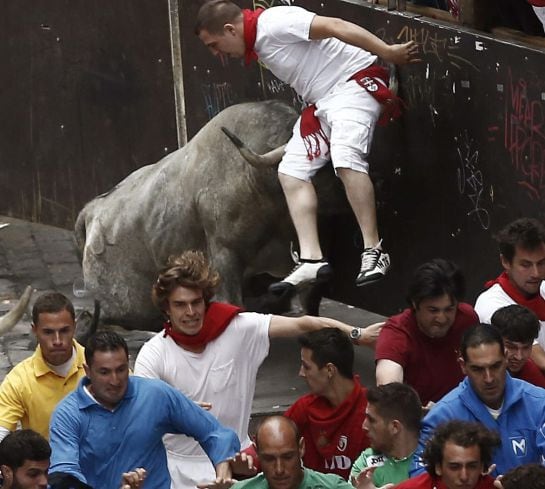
<point x="97" y="445"/>
<point x="521" y="423"/>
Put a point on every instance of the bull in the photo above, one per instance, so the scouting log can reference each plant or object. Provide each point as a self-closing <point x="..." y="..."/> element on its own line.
<point x="203" y="196"/>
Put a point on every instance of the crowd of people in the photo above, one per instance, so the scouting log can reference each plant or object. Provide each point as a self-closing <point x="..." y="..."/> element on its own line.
<point x="459" y="398"/>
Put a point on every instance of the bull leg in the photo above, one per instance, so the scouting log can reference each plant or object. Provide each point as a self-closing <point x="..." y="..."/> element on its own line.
<point x="230" y="268"/>
<point x="311" y="297"/>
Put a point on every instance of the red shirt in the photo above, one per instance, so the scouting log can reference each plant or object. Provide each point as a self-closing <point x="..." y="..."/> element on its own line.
<point x="430" y="365"/>
<point x="426" y="481"/>
<point x="333" y="436"/>
<point x="530" y="373"/>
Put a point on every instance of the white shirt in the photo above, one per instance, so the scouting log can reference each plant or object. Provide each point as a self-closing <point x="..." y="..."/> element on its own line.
<point x="224" y="374"/>
<point x="311" y="67"/>
<point x="495" y="298"/>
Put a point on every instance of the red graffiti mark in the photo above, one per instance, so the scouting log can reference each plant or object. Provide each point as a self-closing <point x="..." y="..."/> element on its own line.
<point x="525" y="137"/>
<point x="492" y="130"/>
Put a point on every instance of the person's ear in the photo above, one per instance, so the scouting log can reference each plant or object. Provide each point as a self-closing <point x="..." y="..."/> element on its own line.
<point x="229" y="29"/>
<point x="87" y="370"/>
<point x="505" y="263"/>
<point x="395" y="426"/>
<point x="462" y="364"/>
<point x="301" y="447"/>
<point x="7" y="474"/>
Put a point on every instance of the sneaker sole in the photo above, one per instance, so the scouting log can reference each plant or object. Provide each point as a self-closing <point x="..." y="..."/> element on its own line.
<point x="369" y="280"/>
<point x="324" y="274"/>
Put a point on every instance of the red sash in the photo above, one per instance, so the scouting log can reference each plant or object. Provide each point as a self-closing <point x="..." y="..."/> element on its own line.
<point x="216" y="319"/>
<point x="375" y="80"/>
<point x="536" y="303"/>
<point x="249" y="18"/>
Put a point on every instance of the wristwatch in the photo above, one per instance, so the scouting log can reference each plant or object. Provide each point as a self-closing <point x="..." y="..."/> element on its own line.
<point x="355" y="335"/>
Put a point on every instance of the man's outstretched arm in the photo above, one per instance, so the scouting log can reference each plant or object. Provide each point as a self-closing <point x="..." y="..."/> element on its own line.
<point x="324" y="27"/>
<point x="283" y="326"/>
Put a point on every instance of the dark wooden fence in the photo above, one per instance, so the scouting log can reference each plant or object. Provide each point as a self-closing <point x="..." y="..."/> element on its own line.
<point x="87" y="96"/>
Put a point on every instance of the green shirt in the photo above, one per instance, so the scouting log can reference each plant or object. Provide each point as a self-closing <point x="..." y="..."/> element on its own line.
<point x="389" y="470"/>
<point x="311" y="480"/>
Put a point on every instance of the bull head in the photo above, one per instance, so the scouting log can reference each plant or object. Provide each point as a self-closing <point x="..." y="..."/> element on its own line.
<point x="8" y="321"/>
<point x="266" y="160"/>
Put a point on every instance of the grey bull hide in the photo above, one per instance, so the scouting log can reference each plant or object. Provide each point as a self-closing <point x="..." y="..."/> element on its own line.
<point x="203" y="196"/>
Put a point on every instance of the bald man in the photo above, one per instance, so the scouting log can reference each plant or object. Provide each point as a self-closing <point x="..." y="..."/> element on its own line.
<point x="281" y="449"/>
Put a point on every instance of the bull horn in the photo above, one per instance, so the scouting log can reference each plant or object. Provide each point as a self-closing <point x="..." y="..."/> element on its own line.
<point x="8" y="321"/>
<point x="266" y="160"/>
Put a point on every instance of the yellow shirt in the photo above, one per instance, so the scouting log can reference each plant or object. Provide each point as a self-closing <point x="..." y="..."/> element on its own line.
<point x="31" y="391"/>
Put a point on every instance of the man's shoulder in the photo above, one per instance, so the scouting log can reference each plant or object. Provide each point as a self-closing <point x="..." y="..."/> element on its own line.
<point x="23" y="369"/>
<point x="531" y="373"/>
<point x="318" y="480"/>
<point x="466" y="312"/>
<point x="372" y="458"/>
<point x="420" y="481"/>
<point x="256" y="482"/>
<point x="528" y="393"/>
<point x="401" y="325"/>
<point x="453" y="402"/>
<point x="300" y="406"/>
<point x="490" y="300"/>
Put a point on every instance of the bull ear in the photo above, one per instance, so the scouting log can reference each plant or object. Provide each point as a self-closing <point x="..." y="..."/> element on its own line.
<point x="8" y="321"/>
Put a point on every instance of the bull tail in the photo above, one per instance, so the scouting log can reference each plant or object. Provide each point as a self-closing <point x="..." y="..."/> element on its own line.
<point x="272" y="158"/>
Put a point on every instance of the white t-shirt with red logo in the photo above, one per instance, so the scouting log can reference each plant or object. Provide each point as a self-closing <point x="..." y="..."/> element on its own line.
<point x="311" y="67"/>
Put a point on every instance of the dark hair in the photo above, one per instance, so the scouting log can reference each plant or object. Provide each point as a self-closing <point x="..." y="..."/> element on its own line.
<point x="464" y="434"/>
<point x="214" y="14"/>
<point x="516" y="323"/>
<point x="397" y="401"/>
<point x="435" y="279"/>
<point x="51" y="302"/>
<point x="480" y="334"/>
<point x="527" y="233"/>
<point x="22" y="445"/>
<point x="529" y="476"/>
<point x="104" y="341"/>
<point x="330" y="345"/>
<point x="190" y="269"/>
<point x="281" y="419"/>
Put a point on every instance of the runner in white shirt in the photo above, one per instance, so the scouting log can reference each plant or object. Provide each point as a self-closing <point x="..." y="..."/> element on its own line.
<point x="211" y="352"/>
<point x="317" y="56"/>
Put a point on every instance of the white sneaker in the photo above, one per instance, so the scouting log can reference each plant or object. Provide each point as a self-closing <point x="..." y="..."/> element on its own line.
<point x="374" y="266"/>
<point x="304" y="272"/>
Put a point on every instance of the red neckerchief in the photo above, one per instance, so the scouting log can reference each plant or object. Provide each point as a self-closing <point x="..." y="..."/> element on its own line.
<point x="537" y="3"/>
<point x="217" y="317"/>
<point x="368" y="78"/>
<point x="536" y="303"/>
<point x="249" y="18"/>
<point x="326" y="421"/>
<point x="484" y="482"/>
<point x="311" y="130"/>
